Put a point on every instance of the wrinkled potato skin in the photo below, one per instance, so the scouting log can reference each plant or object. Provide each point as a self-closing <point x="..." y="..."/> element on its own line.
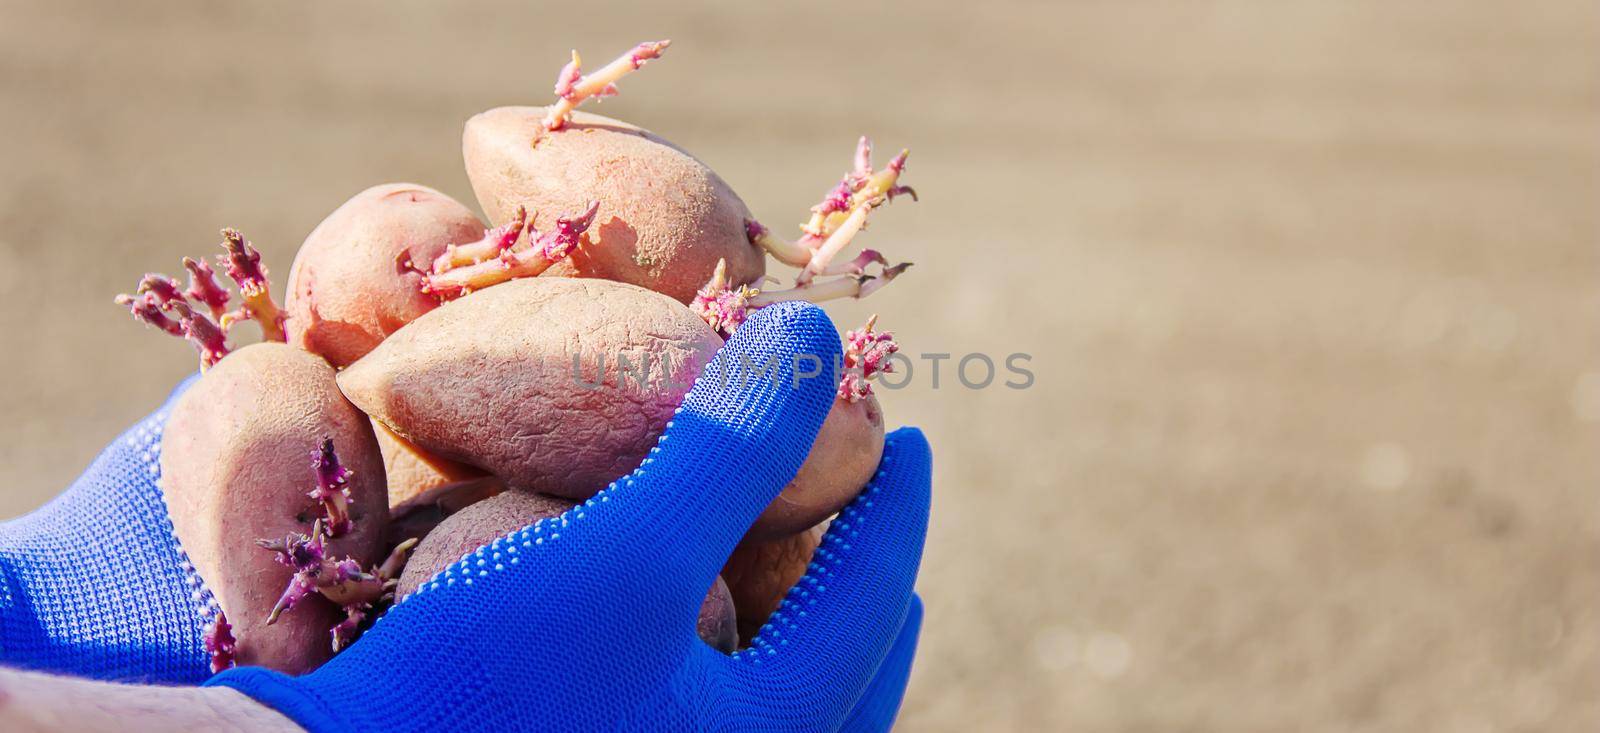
<point x="718" y="624"/>
<point x="416" y="475"/>
<point x="235" y="468"/>
<point x="347" y="291"/>
<point x="759" y="574"/>
<point x="842" y="460"/>
<point x="498" y="516"/>
<point x="488" y="380"/>
<point x="664" y="220"/>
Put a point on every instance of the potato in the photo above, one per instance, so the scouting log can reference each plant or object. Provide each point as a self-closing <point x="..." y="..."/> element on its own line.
<point x="473" y="527"/>
<point x="482" y="523"/>
<point x="349" y="287"/>
<point x="759" y="574"/>
<point x="488" y="380"/>
<point x="236" y="467"/>
<point x="424" y="488"/>
<point x="665" y="218"/>
<point x="841" y="462"/>
<point x="718" y="623"/>
<point x="418" y="477"/>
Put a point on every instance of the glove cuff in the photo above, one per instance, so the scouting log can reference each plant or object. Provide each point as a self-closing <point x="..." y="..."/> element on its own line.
<point x="285" y="694"/>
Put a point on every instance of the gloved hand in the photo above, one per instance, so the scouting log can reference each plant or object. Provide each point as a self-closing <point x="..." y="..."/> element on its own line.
<point x="879" y="704"/>
<point x="93" y="584"/>
<point x="586" y="622"/>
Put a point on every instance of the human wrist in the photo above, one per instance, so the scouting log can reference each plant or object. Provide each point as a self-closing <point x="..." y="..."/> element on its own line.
<point x="31" y="701"/>
<point x="234" y="710"/>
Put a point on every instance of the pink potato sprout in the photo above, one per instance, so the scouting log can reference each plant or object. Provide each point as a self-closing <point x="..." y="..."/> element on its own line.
<point x="573" y="86"/>
<point x="866" y="355"/>
<point x="244" y="268"/>
<point x="341" y="580"/>
<point x="219" y="643"/>
<point x="497" y="257"/>
<point x="333" y="488"/>
<point x="833" y="225"/>
<point x="159" y="302"/>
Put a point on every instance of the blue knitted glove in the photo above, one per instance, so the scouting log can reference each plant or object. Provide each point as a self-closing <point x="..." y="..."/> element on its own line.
<point x="586" y="622"/>
<point x="877" y="707"/>
<point x="93" y="584"/>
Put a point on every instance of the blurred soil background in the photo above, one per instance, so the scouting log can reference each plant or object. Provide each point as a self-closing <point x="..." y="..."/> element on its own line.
<point x="1311" y="290"/>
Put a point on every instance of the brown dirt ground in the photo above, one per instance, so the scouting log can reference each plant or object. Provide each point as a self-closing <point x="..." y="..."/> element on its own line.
<point x="1310" y="291"/>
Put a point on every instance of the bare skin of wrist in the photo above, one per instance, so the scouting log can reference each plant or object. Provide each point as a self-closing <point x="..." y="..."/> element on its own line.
<point x="38" y="702"/>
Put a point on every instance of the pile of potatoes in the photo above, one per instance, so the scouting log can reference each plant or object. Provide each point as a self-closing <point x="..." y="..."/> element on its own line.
<point x="414" y="396"/>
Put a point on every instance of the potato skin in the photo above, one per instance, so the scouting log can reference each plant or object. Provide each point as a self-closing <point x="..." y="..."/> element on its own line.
<point x="497" y="516"/>
<point x="415" y="475"/>
<point x="235" y="468"/>
<point x="665" y="218"/>
<point x="841" y="462"/>
<point x="488" y="380"/>
<point x="718" y="623"/>
<point x="424" y="488"/>
<point x="760" y="573"/>
<point x="473" y="527"/>
<point x="347" y="290"/>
